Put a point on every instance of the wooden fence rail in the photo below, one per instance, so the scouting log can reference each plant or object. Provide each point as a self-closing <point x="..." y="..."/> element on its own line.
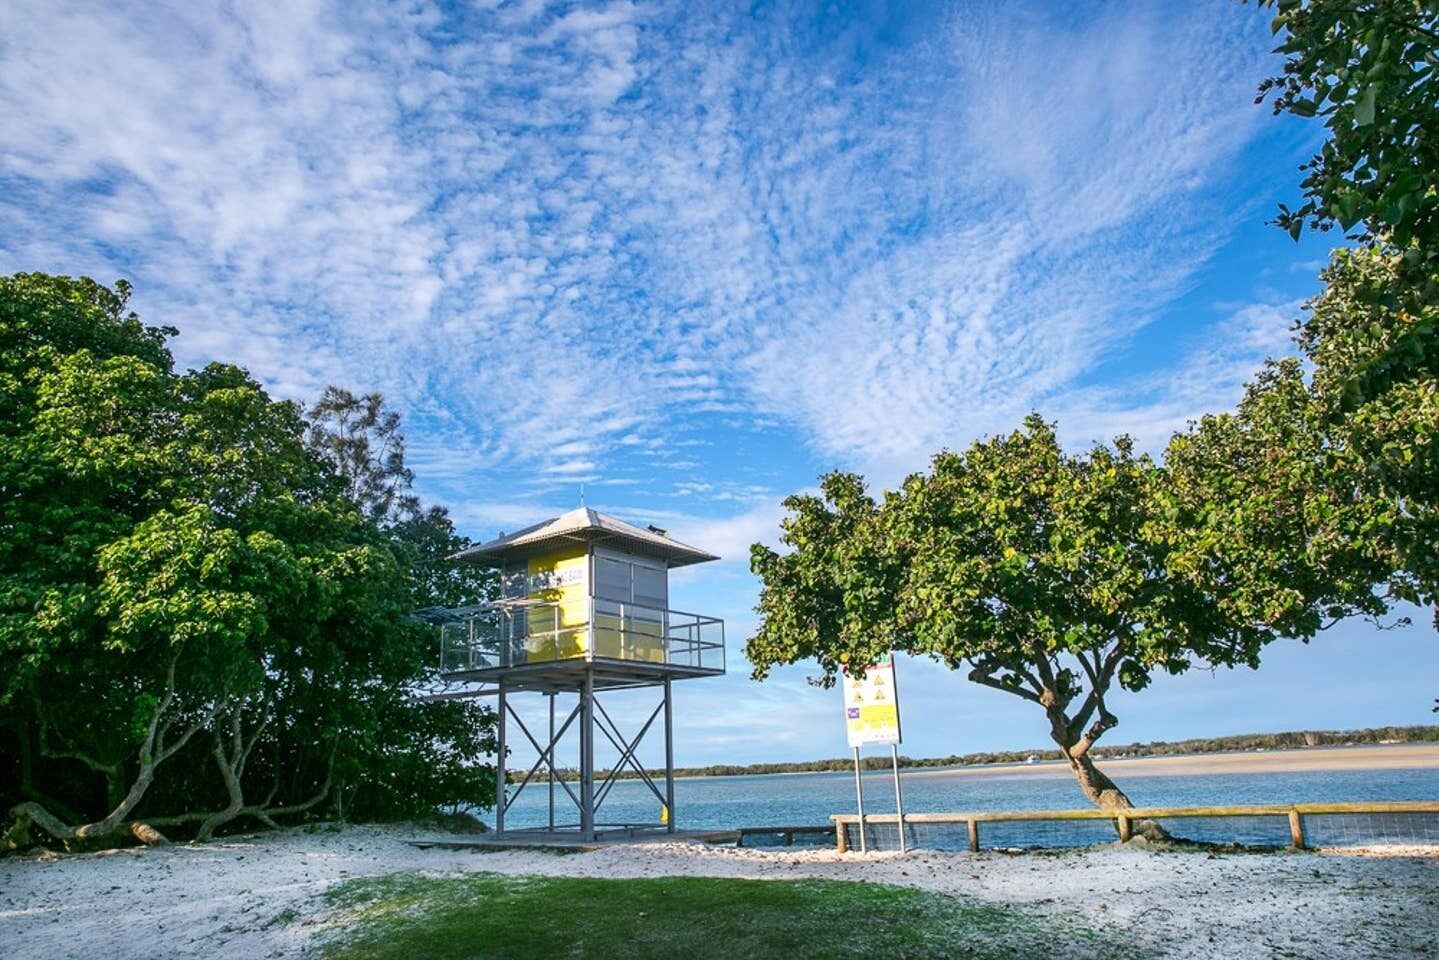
<point x="1124" y="819"/>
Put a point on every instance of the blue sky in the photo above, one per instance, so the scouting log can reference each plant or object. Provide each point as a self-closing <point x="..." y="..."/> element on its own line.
<point x="692" y="256"/>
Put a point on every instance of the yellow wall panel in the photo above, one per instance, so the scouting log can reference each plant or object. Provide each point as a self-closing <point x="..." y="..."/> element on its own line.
<point x="560" y="578"/>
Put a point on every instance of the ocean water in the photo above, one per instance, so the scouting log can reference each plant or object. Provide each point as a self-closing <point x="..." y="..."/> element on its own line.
<point x="810" y="798"/>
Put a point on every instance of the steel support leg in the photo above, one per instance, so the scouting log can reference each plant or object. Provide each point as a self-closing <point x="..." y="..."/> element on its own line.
<point x="552" y="761"/>
<point x="500" y="801"/>
<point x="587" y="757"/>
<point x="669" y="758"/>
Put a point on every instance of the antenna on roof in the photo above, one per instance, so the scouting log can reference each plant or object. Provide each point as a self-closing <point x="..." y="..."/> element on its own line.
<point x="582" y="494"/>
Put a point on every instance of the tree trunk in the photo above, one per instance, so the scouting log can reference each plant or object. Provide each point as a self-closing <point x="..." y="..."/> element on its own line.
<point x="1095" y="784"/>
<point x="231" y="768"/>
<point x="1103" y="793"/>
<point x="153" y="752"/>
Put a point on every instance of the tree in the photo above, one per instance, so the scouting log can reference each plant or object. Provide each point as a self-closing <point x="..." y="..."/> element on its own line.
<point x="1047" y="576"/>
<point x="361" y="438"/>
<point x="1373" y="339"/>
<point x="192" y="612"/>
<point x="1264" y="514"/>
<point x="362" y="441"/>
<point x="1366" y="69"/>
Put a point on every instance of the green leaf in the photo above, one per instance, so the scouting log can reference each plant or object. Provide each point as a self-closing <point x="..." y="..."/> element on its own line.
<point x="1364" y="108"/>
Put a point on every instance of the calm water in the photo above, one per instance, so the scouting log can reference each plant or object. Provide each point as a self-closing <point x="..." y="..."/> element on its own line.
<point x="810" y="798"/>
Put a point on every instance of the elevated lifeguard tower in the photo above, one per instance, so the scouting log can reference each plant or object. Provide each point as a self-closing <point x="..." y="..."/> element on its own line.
<point x="583" y="608"/>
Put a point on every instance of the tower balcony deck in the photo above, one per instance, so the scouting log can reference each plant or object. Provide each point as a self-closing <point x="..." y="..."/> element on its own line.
<point x="553" y="645"/>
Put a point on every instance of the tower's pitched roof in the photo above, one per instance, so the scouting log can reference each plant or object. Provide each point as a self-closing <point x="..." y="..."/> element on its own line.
<point x="583" y="523"/>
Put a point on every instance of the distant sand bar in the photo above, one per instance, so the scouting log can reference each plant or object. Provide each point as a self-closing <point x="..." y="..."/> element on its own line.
<point x="1399" y="756"/>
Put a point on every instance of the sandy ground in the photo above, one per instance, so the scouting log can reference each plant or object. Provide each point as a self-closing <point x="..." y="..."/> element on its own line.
<point x="228" y="898"/>
<point x="1399" y="756"/>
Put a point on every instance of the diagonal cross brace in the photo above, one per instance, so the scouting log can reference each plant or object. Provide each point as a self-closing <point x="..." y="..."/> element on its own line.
<point x="627" y="750"/>
<point x="547" y="756"/>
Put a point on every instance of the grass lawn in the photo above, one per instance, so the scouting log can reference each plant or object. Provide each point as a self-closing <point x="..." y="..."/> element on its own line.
<point x="412" y="917"/>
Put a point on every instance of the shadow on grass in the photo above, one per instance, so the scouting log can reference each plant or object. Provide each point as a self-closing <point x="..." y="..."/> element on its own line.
<point x="405" y="916"/>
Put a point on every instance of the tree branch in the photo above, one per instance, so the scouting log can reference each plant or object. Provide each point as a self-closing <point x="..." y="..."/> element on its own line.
<point x="978" y="675"/>
<point x="1101" y="675"/>
<point x="73" y="753"/>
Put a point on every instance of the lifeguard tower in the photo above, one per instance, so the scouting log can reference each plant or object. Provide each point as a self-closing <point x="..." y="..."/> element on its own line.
<point x="583" y="609"/>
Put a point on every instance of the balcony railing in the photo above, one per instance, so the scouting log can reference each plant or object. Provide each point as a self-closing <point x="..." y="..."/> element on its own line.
<point x="513" y="635"/>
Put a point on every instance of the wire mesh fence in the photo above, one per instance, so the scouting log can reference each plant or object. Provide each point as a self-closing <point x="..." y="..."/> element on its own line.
<point x="1042" y="833"/>
<point x="1303" y="825"/>
<point x="1251" y="831"/>
<point x="812" y="837"/>
<point x="1366" y="829"/>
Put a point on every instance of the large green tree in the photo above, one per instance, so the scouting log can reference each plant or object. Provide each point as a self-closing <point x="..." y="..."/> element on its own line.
<point x="1365" y="69"/>
<point x="198" y="623"/>
<point x="1052" y="577"/>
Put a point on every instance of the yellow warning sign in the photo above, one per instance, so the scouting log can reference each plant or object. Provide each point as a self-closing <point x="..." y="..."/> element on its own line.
<point x="871" y="705"/>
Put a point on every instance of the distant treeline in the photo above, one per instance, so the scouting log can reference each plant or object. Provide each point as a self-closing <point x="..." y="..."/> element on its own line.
<point x="1157" y="748"/>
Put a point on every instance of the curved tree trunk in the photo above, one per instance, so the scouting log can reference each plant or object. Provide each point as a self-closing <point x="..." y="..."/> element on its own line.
<point x="153" y="751"/>
<point x="1095" y="784"/>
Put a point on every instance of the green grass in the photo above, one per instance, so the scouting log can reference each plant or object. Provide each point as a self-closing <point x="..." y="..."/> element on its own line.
<point x="410" y="917"/>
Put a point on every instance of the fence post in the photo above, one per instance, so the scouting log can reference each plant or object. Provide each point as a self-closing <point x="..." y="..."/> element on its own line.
<point x="841" y="839"/>
<point x="1296" y="829"/>
<point x="1126" y="828"/>
<point x="973" y="835"/>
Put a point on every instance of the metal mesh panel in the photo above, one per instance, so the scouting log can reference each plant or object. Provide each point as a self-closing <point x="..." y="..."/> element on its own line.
<point x="1363" y="829"/>
<point x="926" y="836"/>
<point x="1023" y="834"/>
<point x="1255" y="831"/>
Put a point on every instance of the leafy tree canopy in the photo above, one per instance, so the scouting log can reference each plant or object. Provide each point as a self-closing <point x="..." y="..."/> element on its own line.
<point x="1366" y="69"/>
<point x="199" y="621"/>
<point x="1051" y="577"/>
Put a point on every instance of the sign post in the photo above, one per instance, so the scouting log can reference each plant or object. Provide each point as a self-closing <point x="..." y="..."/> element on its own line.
<point x="859" y="800"/>
<point x="871" y="715"/>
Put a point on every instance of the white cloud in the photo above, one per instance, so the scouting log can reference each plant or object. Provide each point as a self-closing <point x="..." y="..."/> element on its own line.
<point x="551" y="234"/>
<point x="1209" y="373"/>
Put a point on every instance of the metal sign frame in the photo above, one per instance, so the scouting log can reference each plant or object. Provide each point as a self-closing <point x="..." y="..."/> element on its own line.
<point x="858" y="694"/>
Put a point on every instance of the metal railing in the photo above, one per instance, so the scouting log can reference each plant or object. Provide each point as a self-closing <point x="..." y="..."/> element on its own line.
<point x="526" y="633"/>
<point x="1298" y="825"/>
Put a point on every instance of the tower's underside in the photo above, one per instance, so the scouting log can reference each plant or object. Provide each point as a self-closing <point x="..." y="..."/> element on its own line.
<point x="575" y="795"/>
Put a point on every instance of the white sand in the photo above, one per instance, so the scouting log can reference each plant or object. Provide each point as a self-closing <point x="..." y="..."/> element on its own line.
<point x="224" y="898"/>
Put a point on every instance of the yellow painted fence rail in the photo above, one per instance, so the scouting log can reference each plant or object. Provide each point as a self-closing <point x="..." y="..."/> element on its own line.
<point x="1123" y="820"/>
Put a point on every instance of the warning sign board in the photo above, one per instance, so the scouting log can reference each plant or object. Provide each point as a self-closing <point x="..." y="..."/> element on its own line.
<point x="871" y="705"/>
